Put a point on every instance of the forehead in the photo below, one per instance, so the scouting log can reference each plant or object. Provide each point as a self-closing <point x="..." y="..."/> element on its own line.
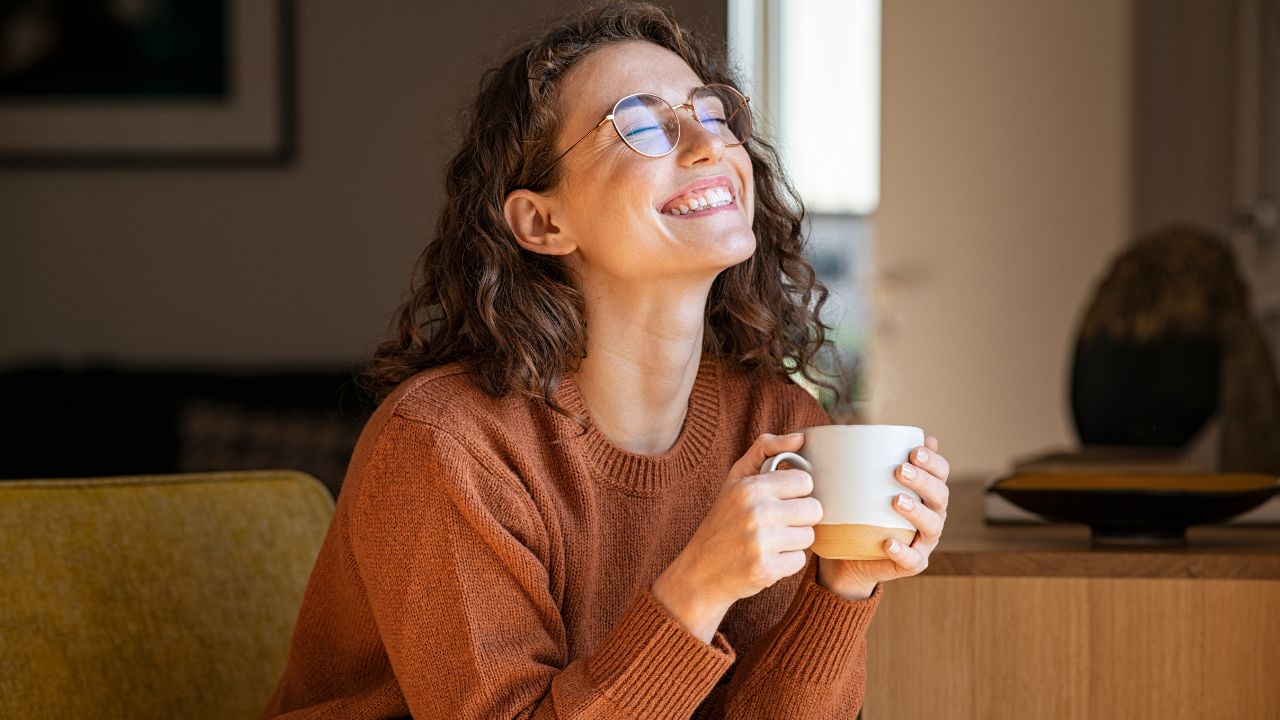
<point x="592" y="87"/>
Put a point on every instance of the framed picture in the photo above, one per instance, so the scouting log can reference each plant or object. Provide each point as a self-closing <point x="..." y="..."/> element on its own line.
<point x="139" y="82"/>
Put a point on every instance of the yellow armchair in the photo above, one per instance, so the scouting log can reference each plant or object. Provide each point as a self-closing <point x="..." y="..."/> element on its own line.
<point x="161" y="596"/>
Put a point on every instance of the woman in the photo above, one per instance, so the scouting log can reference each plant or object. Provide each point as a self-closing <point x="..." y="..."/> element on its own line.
<point x="537" y="521"/>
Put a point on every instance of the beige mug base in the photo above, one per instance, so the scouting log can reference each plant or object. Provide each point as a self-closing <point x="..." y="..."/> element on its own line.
<point x="856" y="542"/>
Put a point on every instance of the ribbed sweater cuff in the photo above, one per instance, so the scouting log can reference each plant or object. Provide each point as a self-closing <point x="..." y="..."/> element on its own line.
<point x="818" y="636"/>
<point x="654" y="665"/>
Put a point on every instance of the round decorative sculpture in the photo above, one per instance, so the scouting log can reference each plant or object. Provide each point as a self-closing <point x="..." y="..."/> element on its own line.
<point x="1149" y="354"/>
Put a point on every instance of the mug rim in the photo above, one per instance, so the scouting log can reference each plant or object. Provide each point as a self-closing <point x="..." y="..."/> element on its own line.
<point x="869" y="426"/>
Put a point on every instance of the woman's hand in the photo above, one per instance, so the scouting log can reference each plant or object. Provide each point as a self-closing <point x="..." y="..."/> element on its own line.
<point x="754" y="535"/>
<point x="855" y="579"/>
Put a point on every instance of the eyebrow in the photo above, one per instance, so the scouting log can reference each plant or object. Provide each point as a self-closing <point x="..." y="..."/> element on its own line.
<point x="685" y="98"/>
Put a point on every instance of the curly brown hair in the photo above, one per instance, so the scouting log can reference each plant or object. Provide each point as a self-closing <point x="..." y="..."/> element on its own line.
<point x="515" y="318"/>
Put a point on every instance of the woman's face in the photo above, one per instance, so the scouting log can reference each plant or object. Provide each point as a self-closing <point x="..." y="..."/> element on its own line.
<point x="615" y="204"/>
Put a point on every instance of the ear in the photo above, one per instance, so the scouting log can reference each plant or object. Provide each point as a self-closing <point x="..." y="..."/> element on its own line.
<point x="529" y="217"/>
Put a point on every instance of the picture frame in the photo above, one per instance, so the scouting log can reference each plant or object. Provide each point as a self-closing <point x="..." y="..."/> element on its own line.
<point x="196" y="93"/>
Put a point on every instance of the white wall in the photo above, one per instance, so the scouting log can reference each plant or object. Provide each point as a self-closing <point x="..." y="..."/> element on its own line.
<point x="1005" y="192"/>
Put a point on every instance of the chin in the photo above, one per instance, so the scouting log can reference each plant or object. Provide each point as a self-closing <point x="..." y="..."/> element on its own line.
<point x="737" y="246"/>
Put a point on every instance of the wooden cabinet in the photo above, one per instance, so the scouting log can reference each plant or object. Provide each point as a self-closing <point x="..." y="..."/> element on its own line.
<point x="1031" y="622"/>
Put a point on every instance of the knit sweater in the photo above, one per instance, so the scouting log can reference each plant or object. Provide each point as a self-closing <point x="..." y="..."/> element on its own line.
<point x="488" y="559"/>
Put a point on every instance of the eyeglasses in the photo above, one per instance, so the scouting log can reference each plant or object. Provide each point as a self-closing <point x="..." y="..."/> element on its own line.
<point x="651" y="127"/>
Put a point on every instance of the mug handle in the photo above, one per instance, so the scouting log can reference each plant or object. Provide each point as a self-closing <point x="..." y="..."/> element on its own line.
<point x="771" y="464"/>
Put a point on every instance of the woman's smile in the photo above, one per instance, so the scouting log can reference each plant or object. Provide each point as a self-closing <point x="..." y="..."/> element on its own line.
<point x="705" y="210"/>
<point x="703" y="197"/>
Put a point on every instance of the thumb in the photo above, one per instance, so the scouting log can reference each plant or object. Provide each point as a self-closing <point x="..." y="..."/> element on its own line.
<point x="766" y="446"/>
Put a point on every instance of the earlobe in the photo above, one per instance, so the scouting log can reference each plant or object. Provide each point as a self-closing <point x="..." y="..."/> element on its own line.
<point x="528" y="215"/>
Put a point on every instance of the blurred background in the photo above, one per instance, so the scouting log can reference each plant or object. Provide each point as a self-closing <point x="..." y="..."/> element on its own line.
<point x="210" y="209"/>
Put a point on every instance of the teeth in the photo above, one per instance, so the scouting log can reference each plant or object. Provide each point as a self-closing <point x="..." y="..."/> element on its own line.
<point x="712" y="198"/>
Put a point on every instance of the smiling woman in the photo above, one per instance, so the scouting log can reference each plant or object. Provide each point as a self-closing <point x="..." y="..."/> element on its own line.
<point x="516" y="312"/>
<point x="558" y="508"/>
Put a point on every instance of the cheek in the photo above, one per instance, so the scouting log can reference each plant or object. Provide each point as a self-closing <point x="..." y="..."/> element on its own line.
<point x="617" y="220"/>
<point x="611" y="192"/>
<point x="751" y="198"/>
<point x="630" y="191"/>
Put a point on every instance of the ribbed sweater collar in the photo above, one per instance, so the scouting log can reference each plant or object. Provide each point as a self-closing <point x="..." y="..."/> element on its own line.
<point x="650" y="474"/>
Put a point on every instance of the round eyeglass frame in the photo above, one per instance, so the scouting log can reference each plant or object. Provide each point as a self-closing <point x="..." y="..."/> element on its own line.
<point x="609" y="118"/>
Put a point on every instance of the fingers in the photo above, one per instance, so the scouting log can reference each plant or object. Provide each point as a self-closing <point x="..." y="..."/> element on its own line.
<point x="909" y="560"/>
<point x="795" y="538"/>
<point x="929" y="460"/>
<point x="766" y="446"/>
<point x="792" y="562"/>
<point x="786" y="484"/>
<point x="800" y="511"/>
<point x="928" y="522"/>
<point x="932" y="491"/>
<point x="925" y="472"/>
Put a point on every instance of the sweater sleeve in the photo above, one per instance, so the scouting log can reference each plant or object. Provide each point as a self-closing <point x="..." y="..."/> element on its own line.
<point x="452" y="555"/>
<point x="812" y="664"/>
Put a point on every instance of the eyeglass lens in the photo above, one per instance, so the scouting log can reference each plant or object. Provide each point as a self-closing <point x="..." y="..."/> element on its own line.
<point x="651" y="127"/>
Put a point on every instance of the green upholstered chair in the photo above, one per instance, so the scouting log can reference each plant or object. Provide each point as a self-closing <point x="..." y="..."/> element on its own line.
<point x="160" y="596"/>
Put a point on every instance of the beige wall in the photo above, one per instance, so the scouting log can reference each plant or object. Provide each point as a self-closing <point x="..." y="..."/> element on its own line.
<point x="1185" y="98"/>
<point x="303" y="263"/>
<point x="1005" y="191"/>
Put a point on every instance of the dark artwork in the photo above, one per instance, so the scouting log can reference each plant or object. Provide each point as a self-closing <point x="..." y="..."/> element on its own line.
<point x="122" y="49"/>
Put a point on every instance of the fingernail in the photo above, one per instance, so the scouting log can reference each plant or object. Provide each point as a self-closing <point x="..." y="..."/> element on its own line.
<point x="905" y="503"/>
<point x="922" y="456"/>
<point x="796" y="435"/>
<point x="908" y="471"/>
<point x="894" y="547"/>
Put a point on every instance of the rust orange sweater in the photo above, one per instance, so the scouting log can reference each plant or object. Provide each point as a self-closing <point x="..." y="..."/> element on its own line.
<point x="477" y="568"/>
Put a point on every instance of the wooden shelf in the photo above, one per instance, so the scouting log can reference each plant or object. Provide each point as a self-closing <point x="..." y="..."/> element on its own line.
<point x="1029" y="621"/>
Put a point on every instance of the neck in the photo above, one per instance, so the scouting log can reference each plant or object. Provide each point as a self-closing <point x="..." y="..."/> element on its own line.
<point x="643" y="353"/>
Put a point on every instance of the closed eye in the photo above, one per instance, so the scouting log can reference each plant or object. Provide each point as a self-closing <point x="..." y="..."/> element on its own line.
<point x="633" y="133"/>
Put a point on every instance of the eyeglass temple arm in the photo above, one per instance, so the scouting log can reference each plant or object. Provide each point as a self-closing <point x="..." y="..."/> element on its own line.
<point x="600" y="124"/>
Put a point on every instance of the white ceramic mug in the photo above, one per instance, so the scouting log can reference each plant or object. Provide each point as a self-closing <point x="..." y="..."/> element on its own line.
<point x="853" y="469"/>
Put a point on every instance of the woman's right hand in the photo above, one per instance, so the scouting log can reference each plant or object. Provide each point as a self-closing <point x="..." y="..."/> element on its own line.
<point x="754" y="535"/>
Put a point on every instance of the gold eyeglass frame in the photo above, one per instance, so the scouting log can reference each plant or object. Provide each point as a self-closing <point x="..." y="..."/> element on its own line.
<point x="679" y="126"/>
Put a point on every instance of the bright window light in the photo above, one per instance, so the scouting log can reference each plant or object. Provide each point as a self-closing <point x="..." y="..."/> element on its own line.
<point x="816" y="64"/>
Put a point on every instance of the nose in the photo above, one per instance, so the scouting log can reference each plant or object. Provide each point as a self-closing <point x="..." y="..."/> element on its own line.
<point x="697" y="143"/>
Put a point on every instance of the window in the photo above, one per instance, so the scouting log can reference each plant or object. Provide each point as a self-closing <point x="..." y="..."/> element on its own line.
<point x="813" y="73"/>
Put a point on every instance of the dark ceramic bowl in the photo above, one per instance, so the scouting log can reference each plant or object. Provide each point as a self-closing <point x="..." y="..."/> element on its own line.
<point x="1137" y="509"/>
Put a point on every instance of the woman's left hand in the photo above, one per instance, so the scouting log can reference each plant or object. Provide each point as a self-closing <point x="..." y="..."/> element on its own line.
<point x="857" y="578"/>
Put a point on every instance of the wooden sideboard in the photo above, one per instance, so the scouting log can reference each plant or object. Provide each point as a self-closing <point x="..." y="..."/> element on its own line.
<point x="1030" y="622"/>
